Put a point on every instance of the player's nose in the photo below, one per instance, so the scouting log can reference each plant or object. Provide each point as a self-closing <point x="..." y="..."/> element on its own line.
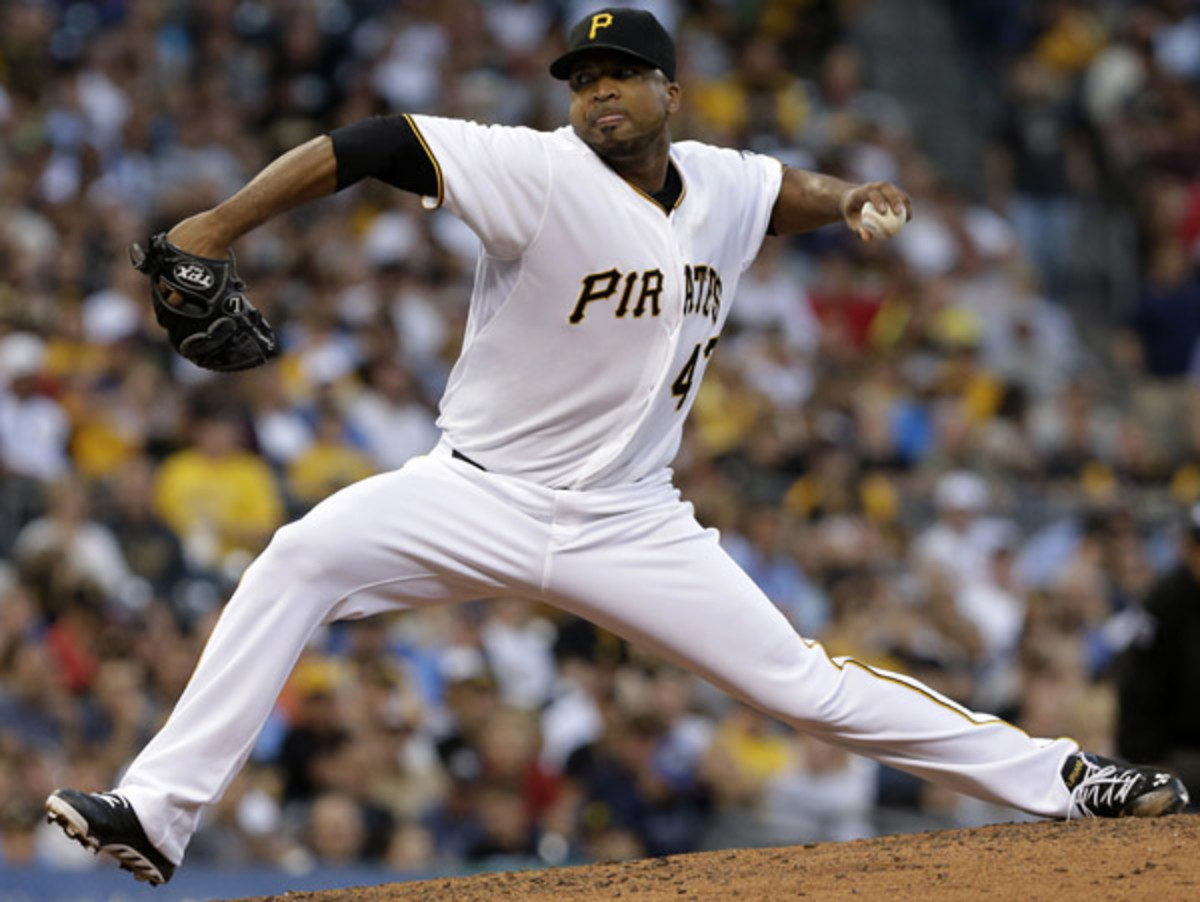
<point x="606" y="88"/>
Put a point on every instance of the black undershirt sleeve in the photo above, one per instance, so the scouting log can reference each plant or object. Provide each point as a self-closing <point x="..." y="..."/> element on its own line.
<point x="387" y="148"/>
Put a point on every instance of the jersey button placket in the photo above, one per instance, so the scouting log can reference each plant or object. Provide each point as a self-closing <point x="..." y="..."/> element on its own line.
<point x="669" y="320"/>
<point x="673" y="311"/>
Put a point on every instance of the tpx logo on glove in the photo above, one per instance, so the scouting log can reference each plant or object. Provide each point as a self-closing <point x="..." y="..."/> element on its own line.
<point x="193" y="274"/>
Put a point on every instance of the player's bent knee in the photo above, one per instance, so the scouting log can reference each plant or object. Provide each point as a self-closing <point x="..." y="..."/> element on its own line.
<point x="295" y="553"/>
<point x="797" y="684"/>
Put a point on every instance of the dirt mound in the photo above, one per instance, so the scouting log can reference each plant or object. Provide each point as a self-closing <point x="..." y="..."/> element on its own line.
<point x="1126" y="859"/>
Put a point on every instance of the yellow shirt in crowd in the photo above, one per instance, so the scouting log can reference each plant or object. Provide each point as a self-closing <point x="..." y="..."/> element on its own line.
<point x="234" y="495"/>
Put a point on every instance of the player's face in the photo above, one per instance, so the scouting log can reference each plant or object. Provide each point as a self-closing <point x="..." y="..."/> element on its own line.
<point x="619" y="105"/>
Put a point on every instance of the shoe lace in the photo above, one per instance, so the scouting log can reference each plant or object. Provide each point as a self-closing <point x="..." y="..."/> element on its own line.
<point x="1102" y="787"/>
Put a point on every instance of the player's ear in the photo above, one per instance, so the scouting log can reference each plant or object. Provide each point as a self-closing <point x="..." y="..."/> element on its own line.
<point x="674" y="97"/>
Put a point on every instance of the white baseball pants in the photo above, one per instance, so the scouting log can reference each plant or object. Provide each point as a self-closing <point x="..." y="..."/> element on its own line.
<point x="631" y="559"/>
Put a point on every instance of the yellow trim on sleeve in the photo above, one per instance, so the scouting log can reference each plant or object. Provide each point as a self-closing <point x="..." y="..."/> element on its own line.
<point x="437" y="169"/>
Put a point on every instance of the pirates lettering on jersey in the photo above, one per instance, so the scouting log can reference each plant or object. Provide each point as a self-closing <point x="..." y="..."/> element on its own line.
<point x="702" y="290"/>
<point x="600" y="286"/>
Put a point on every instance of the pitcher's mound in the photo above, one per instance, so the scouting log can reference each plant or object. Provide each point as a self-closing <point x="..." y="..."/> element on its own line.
<point x="1121" y="859"/>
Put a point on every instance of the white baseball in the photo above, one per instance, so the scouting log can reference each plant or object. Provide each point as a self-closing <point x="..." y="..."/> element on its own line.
<point x="881" y="224"/>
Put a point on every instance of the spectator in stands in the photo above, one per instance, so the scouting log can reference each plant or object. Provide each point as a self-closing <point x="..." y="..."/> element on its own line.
<point x="393" y="418"/>
<point x="152" y="550"/>
<point x="519" y="646"/>
<point x="317" y="727"/>
<point x="35" y="707"/>
<point x="954" y="548"/>
<point x="220" y="499"/>
<point x="1163" y="331"/>
<point x="1161" y="671"/>
<point x="762" y="549"/>
<point x="336" y="830"/>
<point x="33" y="426"/>
<point x="1043" y="153"/>
<point x="331" y="462"/>
<point x="83" y="550"/>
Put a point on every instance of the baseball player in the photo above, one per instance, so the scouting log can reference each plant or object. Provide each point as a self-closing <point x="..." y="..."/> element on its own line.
<point x="610" y="256"/>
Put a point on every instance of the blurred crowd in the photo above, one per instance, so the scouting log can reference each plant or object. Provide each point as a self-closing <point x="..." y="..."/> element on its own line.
<point x="931" y="453"/>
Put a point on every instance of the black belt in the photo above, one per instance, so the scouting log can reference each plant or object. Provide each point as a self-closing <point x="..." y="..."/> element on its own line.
<point x="458" y="455"/>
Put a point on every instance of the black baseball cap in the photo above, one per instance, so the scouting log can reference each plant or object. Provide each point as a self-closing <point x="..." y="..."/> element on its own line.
<point x="632" y="31"/>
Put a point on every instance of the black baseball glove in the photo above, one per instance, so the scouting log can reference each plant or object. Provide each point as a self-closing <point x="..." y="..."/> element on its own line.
<point x="214" y="325"/>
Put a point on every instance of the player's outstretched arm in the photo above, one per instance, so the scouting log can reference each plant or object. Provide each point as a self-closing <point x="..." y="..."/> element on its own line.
<point x="304" y="173"/>
<point x="809" y="200"/>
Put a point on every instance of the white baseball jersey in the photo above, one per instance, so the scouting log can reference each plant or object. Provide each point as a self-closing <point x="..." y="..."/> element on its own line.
<point x="595" y="311"/>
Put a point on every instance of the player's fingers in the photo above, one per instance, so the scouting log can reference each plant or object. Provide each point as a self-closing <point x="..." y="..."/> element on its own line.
<point x="897" y="200"/>
<point x="878" y="197"/>
<point x="885" y="196"/>
<point x="872" y="193"/>
<point x="169" y="294"/>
